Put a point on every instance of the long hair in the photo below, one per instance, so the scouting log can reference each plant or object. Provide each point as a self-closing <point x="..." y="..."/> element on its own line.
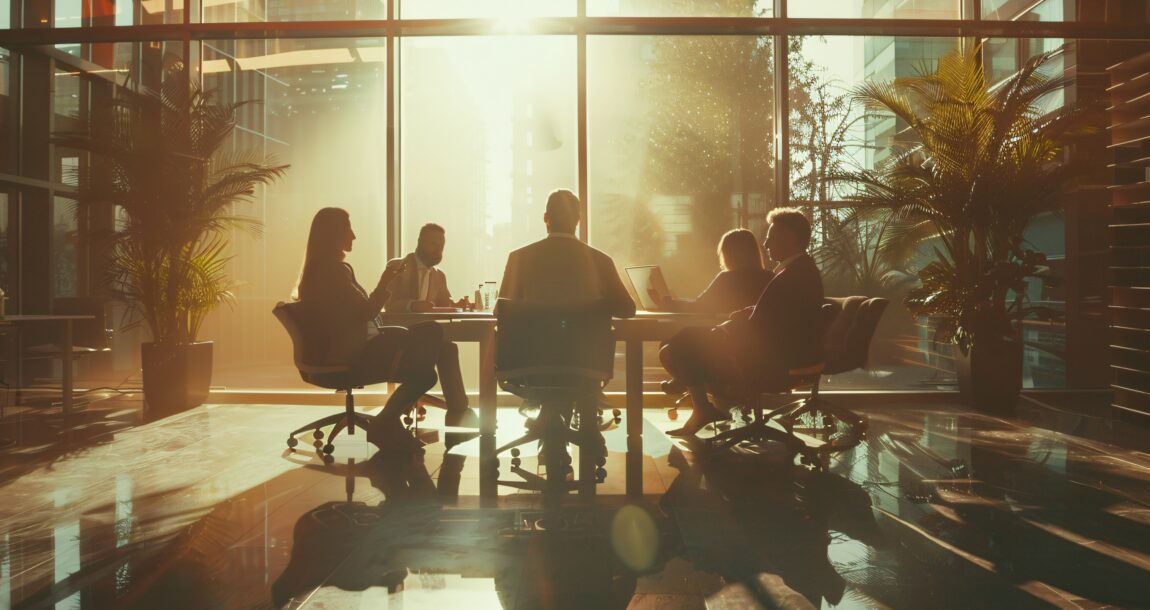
<point x="738" y="249"/>
<point x="324" y="243"/>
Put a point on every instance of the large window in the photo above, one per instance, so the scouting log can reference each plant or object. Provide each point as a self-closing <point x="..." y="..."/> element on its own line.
<point x="320" y="106"/>
<point x="664" y="114"/>
<point x="681" y="148"/>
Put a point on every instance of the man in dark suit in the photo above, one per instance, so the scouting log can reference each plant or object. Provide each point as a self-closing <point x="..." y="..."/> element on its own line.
<point x="781" y="331"/>
<point x="419" y="288"/>
<point x="561" y="269"/>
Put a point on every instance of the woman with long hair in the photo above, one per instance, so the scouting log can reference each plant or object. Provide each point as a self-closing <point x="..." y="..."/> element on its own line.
<point x="741" y="278"/>
<point x="342" y="317"/>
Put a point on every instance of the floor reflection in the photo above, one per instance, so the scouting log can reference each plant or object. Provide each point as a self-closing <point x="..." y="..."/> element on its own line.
<point x="939" y="508"/>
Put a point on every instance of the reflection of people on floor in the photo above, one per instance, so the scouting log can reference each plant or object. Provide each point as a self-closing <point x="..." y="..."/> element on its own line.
<point x="355" y="547"/>
<point x="756" y="522"/>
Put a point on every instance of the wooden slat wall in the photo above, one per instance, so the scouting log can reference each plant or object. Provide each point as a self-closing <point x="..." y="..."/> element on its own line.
<point x="1130" y="238"/>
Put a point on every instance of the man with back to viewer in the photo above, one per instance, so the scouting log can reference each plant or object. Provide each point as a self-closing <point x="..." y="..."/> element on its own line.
<point x="562" y="269"/>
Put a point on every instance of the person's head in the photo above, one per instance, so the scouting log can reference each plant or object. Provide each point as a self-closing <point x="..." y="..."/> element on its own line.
<point x="788" y="233"/>
<point x="562" y="215"/>
<point x="740" y="250"/>
<point x="330" y="236"/>
<point x="429" y="247"/>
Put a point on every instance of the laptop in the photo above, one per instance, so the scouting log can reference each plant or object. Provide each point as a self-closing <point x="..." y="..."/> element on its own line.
<point x="650" y="286"/>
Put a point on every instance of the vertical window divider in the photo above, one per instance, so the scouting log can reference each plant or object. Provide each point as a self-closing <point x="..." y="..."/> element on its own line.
<point x="782" y="110"/>
<point x="581" y="111"/>
<point x="392" y="212"/>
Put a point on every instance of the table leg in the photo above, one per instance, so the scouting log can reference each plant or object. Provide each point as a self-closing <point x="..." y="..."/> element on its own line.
<point x="488" y="397"/>
<point x="66" y="348"/>
<point x="634" y="365"/>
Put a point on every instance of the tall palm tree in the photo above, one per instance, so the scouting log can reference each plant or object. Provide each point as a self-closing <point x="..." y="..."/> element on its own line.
<point x="982" y="163"/>
<point x="162" y="157"/>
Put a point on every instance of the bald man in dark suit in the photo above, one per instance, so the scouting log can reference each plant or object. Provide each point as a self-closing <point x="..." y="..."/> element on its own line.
<point x="561" y="269"/>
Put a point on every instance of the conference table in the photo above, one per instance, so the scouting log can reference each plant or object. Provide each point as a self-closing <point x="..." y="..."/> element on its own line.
<point x="65" y="344"/>
<point x="479" y="327"/>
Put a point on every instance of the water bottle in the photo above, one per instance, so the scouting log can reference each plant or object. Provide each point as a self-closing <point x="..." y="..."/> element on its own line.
<point x="490" y="293"/>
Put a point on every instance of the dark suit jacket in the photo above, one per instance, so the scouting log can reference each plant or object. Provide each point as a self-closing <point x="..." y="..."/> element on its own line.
<point x="728" y="291"/>
<point x="405" y="288"/>
<point x="560" y="269"/>
<point x="786" y="325"/>
<point x="338" y="311"/>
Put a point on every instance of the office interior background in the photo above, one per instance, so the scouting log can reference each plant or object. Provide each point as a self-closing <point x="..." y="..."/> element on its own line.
<point x="673" y="120"/>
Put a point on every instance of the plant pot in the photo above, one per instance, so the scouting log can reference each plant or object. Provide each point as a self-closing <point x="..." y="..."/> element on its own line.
<point x="176" y="378"/>
<point x="990" y="374"/>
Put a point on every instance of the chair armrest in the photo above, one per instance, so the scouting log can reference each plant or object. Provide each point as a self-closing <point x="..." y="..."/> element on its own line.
<point x="313" y="369"/>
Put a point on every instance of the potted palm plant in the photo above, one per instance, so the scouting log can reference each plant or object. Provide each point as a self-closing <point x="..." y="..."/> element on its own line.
<point x="162" y="159"/>
<point x="980" y="163"/>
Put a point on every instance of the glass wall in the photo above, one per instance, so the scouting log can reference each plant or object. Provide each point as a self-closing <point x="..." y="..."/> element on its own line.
<point x="318" y="105"/>
<point x="680" y="148"/>
<point x="481" y="123"/>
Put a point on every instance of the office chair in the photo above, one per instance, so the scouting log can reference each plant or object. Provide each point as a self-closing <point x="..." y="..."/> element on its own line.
<point x="846" y="347"/>
<point x="850" y="325"/>
<point x="556" y="356"/>
<point x="342" y="378"/>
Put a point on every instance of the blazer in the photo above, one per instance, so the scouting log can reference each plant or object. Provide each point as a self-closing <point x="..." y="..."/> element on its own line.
<point x="786" y="325"/>
<point x="405" y="287"/>
<point x="561" y="269"/>
<point x="339" y="313"/>
<point x="727" y="292"/>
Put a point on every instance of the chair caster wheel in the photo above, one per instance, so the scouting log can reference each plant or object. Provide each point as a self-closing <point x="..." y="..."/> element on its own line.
<point x="617" y="420"/>
<point x="672" y="414"/>
<point x="421" y="411"/>
<point x="601" y="462"/>
<point x="515" y="462"/>
<point x="318" y="445"/>
<point x="617" y="413"/>
<point x="328" y="449"/>
<point x="408" y="421"/>
<point x="600" y="474"/>
<point x="327" y="459"/>
<point x="292" y="442"/>
<point x="317" y="433"/>
<point x="515" y="452"/>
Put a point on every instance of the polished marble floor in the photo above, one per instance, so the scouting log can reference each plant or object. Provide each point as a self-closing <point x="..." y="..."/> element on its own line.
<point x="939" y="508"/>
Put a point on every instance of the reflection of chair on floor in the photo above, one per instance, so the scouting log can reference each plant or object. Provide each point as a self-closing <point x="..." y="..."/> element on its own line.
<point x="558" y="357"/>
<point x="342" y="378"/>
<point x="851" y="323"/>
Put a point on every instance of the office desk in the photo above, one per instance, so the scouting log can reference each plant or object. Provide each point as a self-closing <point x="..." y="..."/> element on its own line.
<point x="479" y="327"/>
<point x="65" y="349"/>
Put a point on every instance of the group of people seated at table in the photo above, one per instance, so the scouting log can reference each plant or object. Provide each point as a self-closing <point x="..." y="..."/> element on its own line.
<point x="773" y="314"/>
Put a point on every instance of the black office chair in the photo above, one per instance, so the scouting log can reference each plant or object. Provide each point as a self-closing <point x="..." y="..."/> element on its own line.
<point x="850" y="324"/>
<point x="846" y="347"/>
<point x="342" y="378"/>
<point x="558" y="357"/>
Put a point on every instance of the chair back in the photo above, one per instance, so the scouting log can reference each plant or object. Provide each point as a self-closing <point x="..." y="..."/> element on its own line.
<point x="847" y="342"/>
<point x="555" y="342"/>
<point x="94" y="333"/>
<point x="306" y="348"/>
